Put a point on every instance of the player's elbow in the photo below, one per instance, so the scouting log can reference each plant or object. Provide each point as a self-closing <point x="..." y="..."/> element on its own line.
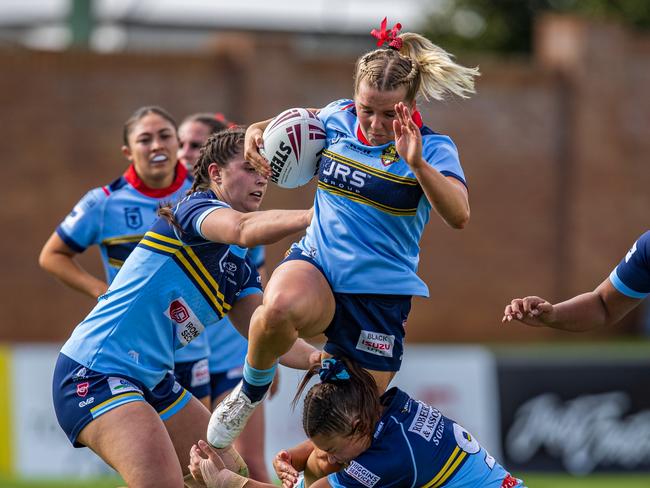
<point x="459" y="221"/>
<point x="45" y="259"/>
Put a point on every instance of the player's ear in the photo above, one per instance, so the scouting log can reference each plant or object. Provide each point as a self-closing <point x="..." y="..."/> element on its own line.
<point x="214" y="172"/>
<point x="126" y="150"/>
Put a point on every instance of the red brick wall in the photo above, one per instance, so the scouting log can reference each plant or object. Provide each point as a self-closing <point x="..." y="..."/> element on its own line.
<point x="555" y="151"/>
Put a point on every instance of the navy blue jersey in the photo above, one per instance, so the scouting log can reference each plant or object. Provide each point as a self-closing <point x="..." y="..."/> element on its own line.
<point x="632" y="275"/>
<point x="415" y="445"/>
<point x="173" y="285"/>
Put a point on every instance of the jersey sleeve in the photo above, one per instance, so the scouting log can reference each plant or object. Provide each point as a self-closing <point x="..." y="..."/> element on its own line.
<point x="632" y="275"/>
<point x="441" y="153"/>
<point x="191" y="213"/>
<point x="81" y="228"/>
<point x="253" y="283"/>
<point x="332" y="108"/>
<point x="258" y="256"/>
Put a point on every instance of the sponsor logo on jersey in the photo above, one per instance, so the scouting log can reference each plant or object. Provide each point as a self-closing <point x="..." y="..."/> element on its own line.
<point x="82" y="389"/>
<point x="188" y="325"/>
<point x="178" y="312"/>
<point x="357" y="149"/>
<point x="389" y="155"/>
<point x="120" y="385"/>
<point x="80" y="374"/>
<point x="200" y="373"/>
<point x="362" y="475"/>
<point x="376" y="343"/>
<point x="230" y="267"/>
<point x="426" y="421"/>
<point x="86" y="402"/>
<point x="630" y="253"/>
<point x="509" y="481"/>
<point x="133" y="217"/>
<point x="134" y="355"/>
<point x="343" y="176"/>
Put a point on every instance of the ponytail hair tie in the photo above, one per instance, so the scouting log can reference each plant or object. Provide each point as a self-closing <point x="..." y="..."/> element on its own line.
<point x="390" y="37"/>
<point x="332" y="371"/>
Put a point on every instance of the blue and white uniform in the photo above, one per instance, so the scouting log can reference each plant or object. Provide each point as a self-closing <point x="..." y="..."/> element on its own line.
<point x="369" y="214"/>
<point x="415" y="445"/>
<point x="228" y="347"/>
<point x="632" y="275"/>
<point x="173" y="285"/>
<point x="115" y="217"/>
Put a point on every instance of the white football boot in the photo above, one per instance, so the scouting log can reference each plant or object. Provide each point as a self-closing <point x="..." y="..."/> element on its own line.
<point x="230" y="418"/>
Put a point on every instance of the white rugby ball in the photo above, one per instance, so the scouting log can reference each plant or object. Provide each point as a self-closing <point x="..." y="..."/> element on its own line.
<point x="293" y="143"/>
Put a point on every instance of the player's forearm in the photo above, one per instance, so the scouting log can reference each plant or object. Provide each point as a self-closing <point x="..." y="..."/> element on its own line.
<point x="581" y="313"/>
<point x="298" y="357"/>
<point x="68" y="271"/>
<point x="448" y="198"/>
<point x="269" y="226"/>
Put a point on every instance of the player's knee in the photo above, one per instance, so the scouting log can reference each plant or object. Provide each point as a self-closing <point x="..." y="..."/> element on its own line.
<point x="279" y="313"/>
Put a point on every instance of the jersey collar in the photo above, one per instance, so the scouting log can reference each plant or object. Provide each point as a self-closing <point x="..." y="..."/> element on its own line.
<point x="134" y="180"/>
<point x="417" y="118"/>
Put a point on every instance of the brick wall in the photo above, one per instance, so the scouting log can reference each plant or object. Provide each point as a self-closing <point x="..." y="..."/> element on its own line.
<point x="554" y="148"/>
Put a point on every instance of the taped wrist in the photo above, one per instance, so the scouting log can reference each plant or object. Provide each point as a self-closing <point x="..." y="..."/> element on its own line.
<point x="233" y="461"/>
<point x="222" y="479"/>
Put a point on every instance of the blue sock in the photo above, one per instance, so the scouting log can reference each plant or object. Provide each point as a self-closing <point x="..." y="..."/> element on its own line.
<point x="257" y="381"/>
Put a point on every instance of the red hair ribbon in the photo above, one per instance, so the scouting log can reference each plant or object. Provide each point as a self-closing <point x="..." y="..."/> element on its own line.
<point x="221" y="118"/>
<point x="390" y="37"/>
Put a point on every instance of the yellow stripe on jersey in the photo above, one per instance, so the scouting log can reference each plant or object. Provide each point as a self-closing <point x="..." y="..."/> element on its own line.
<point x="369" y="169"/>
<point x="116" y="263"/>
<point x="6" y="432"/>
<point x="448" y="469"/>
<point x="207" y="275"/>
<point x="195" y="267"/>
<point x="114" y="241"/>
<point x="400" y="212"/>
<point x="163" y="238"/>
<point x="183" y="260"/>
<point x="155" y="245"/>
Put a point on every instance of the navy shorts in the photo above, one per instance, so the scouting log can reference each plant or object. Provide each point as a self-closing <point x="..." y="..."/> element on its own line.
<point x="366" y="328"/>
<point x="225" y="381"/>
<point x="81" y="395"/>
<point x="194" y="376"/>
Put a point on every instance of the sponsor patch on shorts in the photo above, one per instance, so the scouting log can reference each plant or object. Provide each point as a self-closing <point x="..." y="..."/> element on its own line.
<point x="362" y="475"/>
<point x="237" y="372"/>
<point x="120" y="385"/>
<point x="376" y="343"/>
<point x="425" y="421"/>
<point x="200" y="373"/>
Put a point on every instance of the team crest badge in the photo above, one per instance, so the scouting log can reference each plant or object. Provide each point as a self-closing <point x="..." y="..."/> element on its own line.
<point x="133" y="217"/>
<point x="389" y="155"/>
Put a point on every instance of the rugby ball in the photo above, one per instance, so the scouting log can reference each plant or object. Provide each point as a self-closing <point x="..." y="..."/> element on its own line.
<point x="293" y="143"/>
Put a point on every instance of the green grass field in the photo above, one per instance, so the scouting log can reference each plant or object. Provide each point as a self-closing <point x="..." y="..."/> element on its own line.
<point x="532" y="481"/>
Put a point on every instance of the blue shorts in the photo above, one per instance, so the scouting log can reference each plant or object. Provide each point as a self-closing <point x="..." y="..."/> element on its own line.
<point x="225" y="381"/>
<point x="81" y="395"/>
<point x="194" y="376"/>
<point x="367" y="328"/>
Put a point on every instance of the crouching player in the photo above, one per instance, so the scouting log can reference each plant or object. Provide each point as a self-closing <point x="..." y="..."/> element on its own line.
<point x="368" y="441"/>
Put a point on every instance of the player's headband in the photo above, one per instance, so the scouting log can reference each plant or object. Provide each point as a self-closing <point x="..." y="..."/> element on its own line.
<point x="390" y="37"/>
<point x="333" y="370"/>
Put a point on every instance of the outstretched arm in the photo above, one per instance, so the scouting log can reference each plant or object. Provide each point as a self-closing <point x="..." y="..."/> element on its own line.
<point x="602" y="307"/>
<point x="253" y="228"/>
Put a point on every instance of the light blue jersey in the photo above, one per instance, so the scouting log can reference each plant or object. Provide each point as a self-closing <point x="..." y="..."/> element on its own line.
<point x="115" y="217"/>
<point x="370" y="211"/>
<point x="169" y="289"/>
<point x="227" y="346"/>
